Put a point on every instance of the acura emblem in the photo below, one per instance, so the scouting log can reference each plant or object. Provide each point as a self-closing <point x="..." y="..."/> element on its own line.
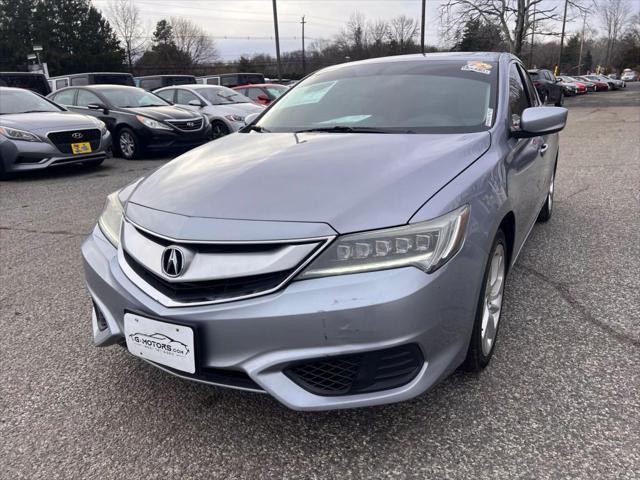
<point x="173" y="261"/>
<point x="77" y="135"/>
<point x="191" y="124"/>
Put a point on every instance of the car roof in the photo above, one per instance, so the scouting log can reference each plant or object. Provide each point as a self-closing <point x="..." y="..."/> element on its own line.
<point x="260" y="85"/>
<point x="164" y="75"/>
<point x="88" y="73"/>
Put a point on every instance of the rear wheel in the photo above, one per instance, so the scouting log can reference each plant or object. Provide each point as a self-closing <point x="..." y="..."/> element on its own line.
<point x="547" y="208"/>
<point x="489" y="309"/>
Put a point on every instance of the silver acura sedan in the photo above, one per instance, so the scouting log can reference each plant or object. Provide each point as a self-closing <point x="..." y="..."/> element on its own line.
<point x="35" y="133"/>
<point x="348" y="248"/>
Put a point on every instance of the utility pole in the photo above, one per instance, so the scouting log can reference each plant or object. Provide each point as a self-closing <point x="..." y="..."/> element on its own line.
<point x="275" y="26"/>
<point x="564" y="22"/>
<point x="304" y="64"/>
<point x="533" y="33"/>
<point x="424" y="7"/>
<point x="584" y="24"/>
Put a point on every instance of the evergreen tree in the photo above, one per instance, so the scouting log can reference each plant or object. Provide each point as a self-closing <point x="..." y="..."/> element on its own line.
<point x="164" y="55"/>
<point x="15" y="33"/>
<point x="74" y="36"/>
<point x="479" y="36"/>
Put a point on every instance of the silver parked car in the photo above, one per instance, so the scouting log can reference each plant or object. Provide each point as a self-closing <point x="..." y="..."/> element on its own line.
<point x="35" y="133"/>
<point x="349" y="248"/>
<point x="225" y="108"/>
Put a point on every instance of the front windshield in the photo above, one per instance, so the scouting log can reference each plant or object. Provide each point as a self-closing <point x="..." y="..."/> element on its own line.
<point x="132" y="98"/>
<point x="422" y="96"/>
<point x="222" y="96"/>
<point x="24" y="101"/>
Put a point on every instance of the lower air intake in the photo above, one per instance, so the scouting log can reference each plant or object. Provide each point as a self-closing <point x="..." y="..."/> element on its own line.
<point x="359" y="373"/>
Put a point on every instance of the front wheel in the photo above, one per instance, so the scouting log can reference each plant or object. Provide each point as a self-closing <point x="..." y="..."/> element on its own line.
<point x="127" y="144"/>
<point x="560" y="101"/>
<point x="219" y="129"/>
<point x="489" y="309"/>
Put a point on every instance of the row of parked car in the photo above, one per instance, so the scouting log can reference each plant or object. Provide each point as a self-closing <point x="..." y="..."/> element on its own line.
<point x="552" y="89"/>
<point x="86" y="123"/>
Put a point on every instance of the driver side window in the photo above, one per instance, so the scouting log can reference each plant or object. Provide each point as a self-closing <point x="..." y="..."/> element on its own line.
<point x="518" y="100"/>
<point x="183" y="97"/>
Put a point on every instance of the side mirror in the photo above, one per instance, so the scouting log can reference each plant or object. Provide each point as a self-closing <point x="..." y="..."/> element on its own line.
<point x="249" y="119"/>
<point x="196" y="103"/>
<point x="98" y="106"/>
<point x="263" y="98"/>
<point x="538" y="121"/>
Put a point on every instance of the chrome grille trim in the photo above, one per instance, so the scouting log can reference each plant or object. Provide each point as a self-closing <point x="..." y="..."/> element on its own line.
<point x="166" y="301"/>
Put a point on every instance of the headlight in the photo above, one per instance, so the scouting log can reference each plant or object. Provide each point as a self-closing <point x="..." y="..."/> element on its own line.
<point x="234" y="118"/>
<point x="15" y="134"/>
<point x="426" y="245"/>
<point x="100" y="124"/>
<point x="111" y="219"/>
<point x="151" y="123"/>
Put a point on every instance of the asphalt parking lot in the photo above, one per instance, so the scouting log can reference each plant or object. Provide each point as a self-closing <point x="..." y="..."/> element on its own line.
<point x="560" y="399"/>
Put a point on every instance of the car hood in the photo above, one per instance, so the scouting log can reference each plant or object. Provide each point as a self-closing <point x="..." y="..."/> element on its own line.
<point x="163" y="113"/>
<point x="43" y="122"/>
<point x="233" y="109"/>
<point x="349" y="181"/>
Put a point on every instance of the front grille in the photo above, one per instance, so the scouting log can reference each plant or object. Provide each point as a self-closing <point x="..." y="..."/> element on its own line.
<point x="187" y="125"/>
<point x="63" y="140"/>
<point x="210" y="290"/>
<point x="359" y="373"/>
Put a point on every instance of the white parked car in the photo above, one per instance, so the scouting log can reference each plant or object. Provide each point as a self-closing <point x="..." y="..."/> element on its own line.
<point x="629" y="75"/>
<point x="224" y="107"/>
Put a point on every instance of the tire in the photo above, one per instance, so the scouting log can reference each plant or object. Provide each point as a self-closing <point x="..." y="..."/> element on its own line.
<point x="219" y="129"/>
<point x="489" y="308"/>
<point x="127" y="144"/>
<point x="545" y="98"/>
<point x="560" y="101"/>
<point x="547" y="208"/>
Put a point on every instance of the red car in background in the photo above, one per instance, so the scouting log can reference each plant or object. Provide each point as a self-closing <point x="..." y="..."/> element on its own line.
<point x="262" y="93"/>
<point x="600" y="85"/>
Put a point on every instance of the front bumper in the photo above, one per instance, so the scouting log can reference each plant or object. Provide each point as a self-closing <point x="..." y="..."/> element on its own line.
<point x="19" y="156"/>
<point x="163" y="139"/>
<point x="309" y="319"/>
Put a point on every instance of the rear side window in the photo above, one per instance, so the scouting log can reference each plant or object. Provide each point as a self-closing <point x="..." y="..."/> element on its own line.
<point x="80" y="81"/>
<point x="150" y="83"/>
<point x="517" y="97"/>
<point x="65" y="98"/>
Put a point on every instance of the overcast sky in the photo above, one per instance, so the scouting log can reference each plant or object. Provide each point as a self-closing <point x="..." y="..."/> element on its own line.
<point x="239" y="19"/>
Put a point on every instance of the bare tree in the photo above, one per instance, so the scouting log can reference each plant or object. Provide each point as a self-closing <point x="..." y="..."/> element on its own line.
<point x="402" y="30"/>
<point x="125" y="18"/>
<point x="614" y="15"/>
<point x="514" y="17"/>
<point x="193" y="39"/>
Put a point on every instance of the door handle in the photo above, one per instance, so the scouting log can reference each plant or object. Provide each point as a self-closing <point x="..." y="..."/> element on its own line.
<point x="543" y="148"/>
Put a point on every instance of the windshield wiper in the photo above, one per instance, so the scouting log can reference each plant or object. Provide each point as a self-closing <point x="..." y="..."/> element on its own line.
<point x="256" y="128"/>
<point x="37" y="111"/>
<point x="344" y="129"/>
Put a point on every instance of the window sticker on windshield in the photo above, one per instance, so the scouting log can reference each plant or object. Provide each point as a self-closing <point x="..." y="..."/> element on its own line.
<point x="489" y="120"/>
<point x="479" y="67"/>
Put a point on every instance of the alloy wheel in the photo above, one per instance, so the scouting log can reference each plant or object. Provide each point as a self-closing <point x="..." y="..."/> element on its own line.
<point x="127" y="144"/>
<point x="492" y="305"/>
